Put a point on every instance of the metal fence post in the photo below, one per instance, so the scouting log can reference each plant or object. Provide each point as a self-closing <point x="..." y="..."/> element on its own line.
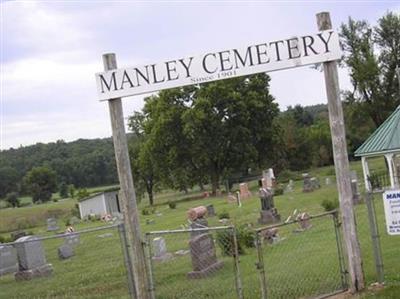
<point x="236" y="259"/>
<point x="343" y="271"/>
<point x="260" y="266"/>
<point x="127" y="260"/>
<point x="376" y="244"/>
<point x="148" y="254"/>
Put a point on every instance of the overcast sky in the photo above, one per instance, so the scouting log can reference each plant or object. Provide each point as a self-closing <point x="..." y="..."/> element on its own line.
<point x="50" y="51"/>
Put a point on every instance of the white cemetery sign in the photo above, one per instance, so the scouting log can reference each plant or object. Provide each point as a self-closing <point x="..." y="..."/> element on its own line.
<point x="252" y="59"/>
<point x="391" y="203"/>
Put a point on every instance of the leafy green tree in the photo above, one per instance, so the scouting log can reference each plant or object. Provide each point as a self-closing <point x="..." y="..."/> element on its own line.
<point x="372" y="54"/>
<point x="206" y="132"/>
<point x="63" y="189"/>
<point x="71" y="190"/>
<point x="8" y="180"/>
<point x="41" y="183"/>
<point x="12" y="199"/>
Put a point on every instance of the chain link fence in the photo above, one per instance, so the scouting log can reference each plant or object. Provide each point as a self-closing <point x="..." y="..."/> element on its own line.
<point x="86" y="264"/>
<point x="302" y="258"/>
<point x="379" y="249"/>
<point x="195" y="263"/>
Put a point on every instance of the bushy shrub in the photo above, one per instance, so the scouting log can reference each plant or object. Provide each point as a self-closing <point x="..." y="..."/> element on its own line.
<point x="286" y="175"/>
<point x="145" y="212"/>
<point x="75" y="211"/>
<point x="246" y="236"/>
<point x="330" y="204"/>
<point x="172" y="205"/>
<point x="12" y="199"/>
<point x="224" y="215"/>
<point x="226" y="243"/>
<point x="82" y="193"/>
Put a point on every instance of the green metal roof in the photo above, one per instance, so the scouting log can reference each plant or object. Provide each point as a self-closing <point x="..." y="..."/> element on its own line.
<point x="385" y="139"/>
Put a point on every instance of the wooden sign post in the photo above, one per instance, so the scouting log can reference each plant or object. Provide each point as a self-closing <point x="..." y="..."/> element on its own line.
<point x="342" y="168"/>
<point x="127" y="191"/>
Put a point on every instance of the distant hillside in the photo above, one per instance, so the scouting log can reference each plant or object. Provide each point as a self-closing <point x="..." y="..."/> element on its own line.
<point x="84" y="163"/>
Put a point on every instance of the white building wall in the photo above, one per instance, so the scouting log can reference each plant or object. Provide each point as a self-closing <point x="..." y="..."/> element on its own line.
<point x="95" y="205"/>
<point x="111" y="202"/>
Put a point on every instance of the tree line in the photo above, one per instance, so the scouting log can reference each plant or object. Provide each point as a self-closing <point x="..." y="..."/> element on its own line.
<point x="204" y="134"/>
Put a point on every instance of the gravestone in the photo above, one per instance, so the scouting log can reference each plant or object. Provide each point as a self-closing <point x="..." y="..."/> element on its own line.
<point x="307" y="185"/>
<point x="269" y="177"/>
<point x="31" y="259"/>
<point x="52" y="225"/>
<point x="269" y="216"/>
<point x="355" y="191"/>
<point x="210" y="210"/>
<point x="231" y="198"/>
<point x="289" y="187"/>
<point x="270" y="235"/>
<point x="160" y="250"/>
<point x="203" y="255"/>
<point x="65" y="252"/>
<point x="197" y="224"/>
<point x="315" y="183"/>
<point x="159" y="247"/>
<point x="265" y="183"/>
<point x="244" y="191"/>
<point x="8" y="260"/>
<point x="72" y="239"/>
<point x="269" y="213"/>
<point x="304" y="221"/>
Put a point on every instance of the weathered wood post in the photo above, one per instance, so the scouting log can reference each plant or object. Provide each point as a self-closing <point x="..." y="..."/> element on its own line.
<point x="342" y="169"/>
<point x="127" y="190"/>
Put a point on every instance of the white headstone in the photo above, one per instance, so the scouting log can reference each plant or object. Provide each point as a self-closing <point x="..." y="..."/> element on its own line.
<point x="159" y="247"/>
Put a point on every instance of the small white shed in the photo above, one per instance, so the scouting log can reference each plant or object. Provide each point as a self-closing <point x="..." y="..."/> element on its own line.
<point x="100" y="204"/>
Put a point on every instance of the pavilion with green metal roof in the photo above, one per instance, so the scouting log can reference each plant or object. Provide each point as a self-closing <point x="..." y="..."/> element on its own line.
<point x="385" y="141"/>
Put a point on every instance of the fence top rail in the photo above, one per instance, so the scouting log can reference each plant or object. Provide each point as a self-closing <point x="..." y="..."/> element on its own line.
<point x="333" y="212"/>
<point x="174" y="231"/>
<point x="63" y="235"/>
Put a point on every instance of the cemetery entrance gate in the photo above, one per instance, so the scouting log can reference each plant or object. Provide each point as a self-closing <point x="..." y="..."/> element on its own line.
<point x="322" y="47"/>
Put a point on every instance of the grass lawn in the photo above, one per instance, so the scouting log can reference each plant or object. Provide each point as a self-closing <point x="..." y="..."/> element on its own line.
<point x="300" y="265"/>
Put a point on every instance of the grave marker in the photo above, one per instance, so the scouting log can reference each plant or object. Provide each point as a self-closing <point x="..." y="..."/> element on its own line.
<point x="31" y="259"/>
<point x="65" y="252"/>
<point x="52" y="225"/>
<point x="244" y="191"/>
<point x="8" y="260"/>
<point x="203" y="255"/>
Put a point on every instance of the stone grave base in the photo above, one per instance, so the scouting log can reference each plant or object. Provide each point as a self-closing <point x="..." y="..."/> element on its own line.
<point x="8" y="270"/>
<point x="269" y="216"/>
<point x="206" y="271"/>
<point x="42" y="271"/>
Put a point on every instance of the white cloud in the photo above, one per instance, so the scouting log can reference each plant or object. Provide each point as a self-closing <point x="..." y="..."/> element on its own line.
<point x="51" y="50"/>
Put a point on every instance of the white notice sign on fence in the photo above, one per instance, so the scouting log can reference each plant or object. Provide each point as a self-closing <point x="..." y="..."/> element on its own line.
<point x="252" y="59"/>
<point x="391" y="202"/>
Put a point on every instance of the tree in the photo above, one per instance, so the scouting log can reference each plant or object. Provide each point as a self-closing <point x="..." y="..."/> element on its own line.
<point x="8" y="180"/>
<point x="372" y="54"/>
<point x="12" y="199"/>
<point x="63" y="190"/>
<point x="206" y="132"/>
<point x="41" y="183"/>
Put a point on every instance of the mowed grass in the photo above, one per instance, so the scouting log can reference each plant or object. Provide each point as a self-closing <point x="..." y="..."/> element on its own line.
<point x="301" y="265"/>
